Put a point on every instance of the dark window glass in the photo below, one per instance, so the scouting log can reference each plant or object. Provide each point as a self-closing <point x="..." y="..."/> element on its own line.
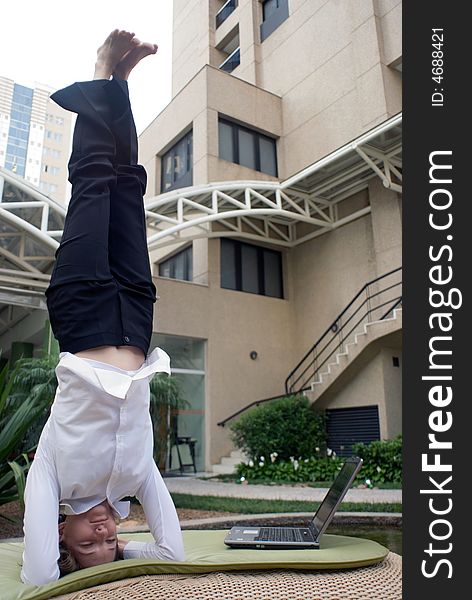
<point x="272" y="274"/>
<point x="177" y="165"/>
<point x="225" y="11"/>
<point x="249" y="268"/>
<point x="268" y="162"/>
<point x="228" y="264"/>
<point x="245" y="147"/>
<point x="225" y="133"/>
<point x="247" y="154"/>
<point x="178" y="266"/>
<point x="274" y="13"/>
<point x="268" y="8"/>
<point x="233" y="61"/>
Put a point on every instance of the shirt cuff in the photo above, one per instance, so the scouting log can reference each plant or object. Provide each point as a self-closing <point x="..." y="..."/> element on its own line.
<point x="134" y="549"/>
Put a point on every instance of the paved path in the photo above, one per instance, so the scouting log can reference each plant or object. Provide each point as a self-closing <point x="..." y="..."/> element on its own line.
<point x="200" y="487"/>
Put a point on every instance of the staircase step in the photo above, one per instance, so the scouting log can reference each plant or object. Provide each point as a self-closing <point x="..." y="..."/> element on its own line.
<point x="229" y="461"/>
<point x="223" y="469"/>
<point x="239" y="455"/>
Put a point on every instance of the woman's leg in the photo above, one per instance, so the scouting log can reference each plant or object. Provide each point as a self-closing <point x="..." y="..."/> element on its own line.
<point x="127" y="241"/>
<point x="82" y="296"/>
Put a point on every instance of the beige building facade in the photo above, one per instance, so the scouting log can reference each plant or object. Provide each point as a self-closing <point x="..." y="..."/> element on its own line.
<point x="287" y="102"/>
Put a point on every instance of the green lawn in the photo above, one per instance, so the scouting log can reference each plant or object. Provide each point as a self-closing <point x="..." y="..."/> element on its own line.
<point x="255" y="506"/>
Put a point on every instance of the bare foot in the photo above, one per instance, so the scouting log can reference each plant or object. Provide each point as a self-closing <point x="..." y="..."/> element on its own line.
<point x="113" y="49"/>
<point x="131" y="59"/>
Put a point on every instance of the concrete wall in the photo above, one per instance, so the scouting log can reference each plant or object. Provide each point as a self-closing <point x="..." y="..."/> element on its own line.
<point x="372" y="380"/>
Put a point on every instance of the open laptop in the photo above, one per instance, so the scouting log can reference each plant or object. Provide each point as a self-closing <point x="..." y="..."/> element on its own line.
<point x="274" y="538"/>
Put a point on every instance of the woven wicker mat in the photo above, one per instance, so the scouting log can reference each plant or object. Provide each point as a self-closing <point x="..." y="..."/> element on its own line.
<point x="378" y="582"/>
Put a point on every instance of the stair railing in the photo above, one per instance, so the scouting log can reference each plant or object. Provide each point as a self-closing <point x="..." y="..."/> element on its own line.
<point x="376" y="301"/>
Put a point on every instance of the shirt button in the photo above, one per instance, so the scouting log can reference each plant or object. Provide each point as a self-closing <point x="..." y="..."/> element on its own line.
<point x="126" y="339"/>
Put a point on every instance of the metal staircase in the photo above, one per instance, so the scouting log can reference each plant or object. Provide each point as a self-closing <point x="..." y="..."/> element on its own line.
<point x="374" y="312"/>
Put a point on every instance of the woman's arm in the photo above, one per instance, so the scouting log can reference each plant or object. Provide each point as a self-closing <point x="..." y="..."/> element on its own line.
<point x="41" y="550"/>
<point x="163" y="523"/>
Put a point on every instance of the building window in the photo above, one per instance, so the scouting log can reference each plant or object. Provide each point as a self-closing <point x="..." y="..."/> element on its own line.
<point x="177" y="165"/>
<point x="252" y="269"/>
<point x="225" y="11"/>
<point x="246" y="147"/>
<point x="178" y="266"/>
<point x="274" y="13"/>
<point x="233" y="61"/>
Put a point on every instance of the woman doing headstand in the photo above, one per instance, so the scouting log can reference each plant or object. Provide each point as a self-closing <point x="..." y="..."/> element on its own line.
<point x="97" y="445"/>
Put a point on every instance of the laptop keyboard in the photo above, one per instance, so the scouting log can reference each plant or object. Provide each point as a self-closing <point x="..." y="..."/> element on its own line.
<point x="281" y="534"/>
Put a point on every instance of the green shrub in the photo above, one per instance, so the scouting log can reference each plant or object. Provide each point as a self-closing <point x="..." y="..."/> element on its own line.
<point x="18" y="415"/>
<point x="382" y="464"/>
<point x="287" y="427"/>
<point x="295" y="470"/>
<point x="382" y="460"/>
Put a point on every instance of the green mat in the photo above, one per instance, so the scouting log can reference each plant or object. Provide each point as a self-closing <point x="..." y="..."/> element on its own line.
<point x="205" y="552"/>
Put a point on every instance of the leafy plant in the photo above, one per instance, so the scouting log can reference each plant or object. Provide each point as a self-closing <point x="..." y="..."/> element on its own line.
<point x="382" y="464"/>
<point x="34" y="379"/>
<point x="16" y="418"/>
<point x="166" y="397"/>
<point x="287" y="427"/>
<point x="296" y="470"/>
<point x="382" y="460"/>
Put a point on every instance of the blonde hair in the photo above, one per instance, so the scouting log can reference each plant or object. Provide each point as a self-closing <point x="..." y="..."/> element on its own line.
<point x="67" y="563"/>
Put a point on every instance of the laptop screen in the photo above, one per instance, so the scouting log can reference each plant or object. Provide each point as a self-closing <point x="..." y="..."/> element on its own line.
<point x="335" y="494"/>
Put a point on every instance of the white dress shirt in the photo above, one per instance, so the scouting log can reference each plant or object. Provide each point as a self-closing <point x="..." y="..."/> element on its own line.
<point x="97" y="445"/>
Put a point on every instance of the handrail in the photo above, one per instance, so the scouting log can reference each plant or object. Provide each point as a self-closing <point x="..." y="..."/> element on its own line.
<point x="337" y="319"/>
<point x="392" y="303"/>
<point x="241" y="410"/>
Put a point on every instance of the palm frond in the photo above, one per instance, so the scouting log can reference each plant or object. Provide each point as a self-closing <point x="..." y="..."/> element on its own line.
<point x="19" y="473"/>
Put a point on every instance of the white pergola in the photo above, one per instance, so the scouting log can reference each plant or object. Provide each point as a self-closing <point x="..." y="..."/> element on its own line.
<point x="311" y="203"/>
<point x="308" y="204"/>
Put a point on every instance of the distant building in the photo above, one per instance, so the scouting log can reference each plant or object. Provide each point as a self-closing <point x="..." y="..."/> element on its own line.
<point x="35" y="137"/>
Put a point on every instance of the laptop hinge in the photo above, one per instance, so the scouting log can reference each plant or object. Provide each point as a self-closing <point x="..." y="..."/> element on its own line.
<point x="314" y="532"/>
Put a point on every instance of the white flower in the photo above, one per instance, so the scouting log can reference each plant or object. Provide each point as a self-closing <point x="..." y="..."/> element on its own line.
<point x="317" y="449"/>
<point x="378" y="469"/>
<point x="251" y="463"/>
<point x="295" y="464"/>
<point x="242" y="479"/>
<point x="273" y="456"/>
<point x="292" y="458"/>
<point x="262" y="458"/>
<point x="306" y="460"/>
<point x="329" y="451"/>
<point x="367" y="481"/>
<point x="261" y="464"/>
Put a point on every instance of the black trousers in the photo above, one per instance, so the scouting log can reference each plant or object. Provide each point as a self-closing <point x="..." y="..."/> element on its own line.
<point x="101" y="291"/>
